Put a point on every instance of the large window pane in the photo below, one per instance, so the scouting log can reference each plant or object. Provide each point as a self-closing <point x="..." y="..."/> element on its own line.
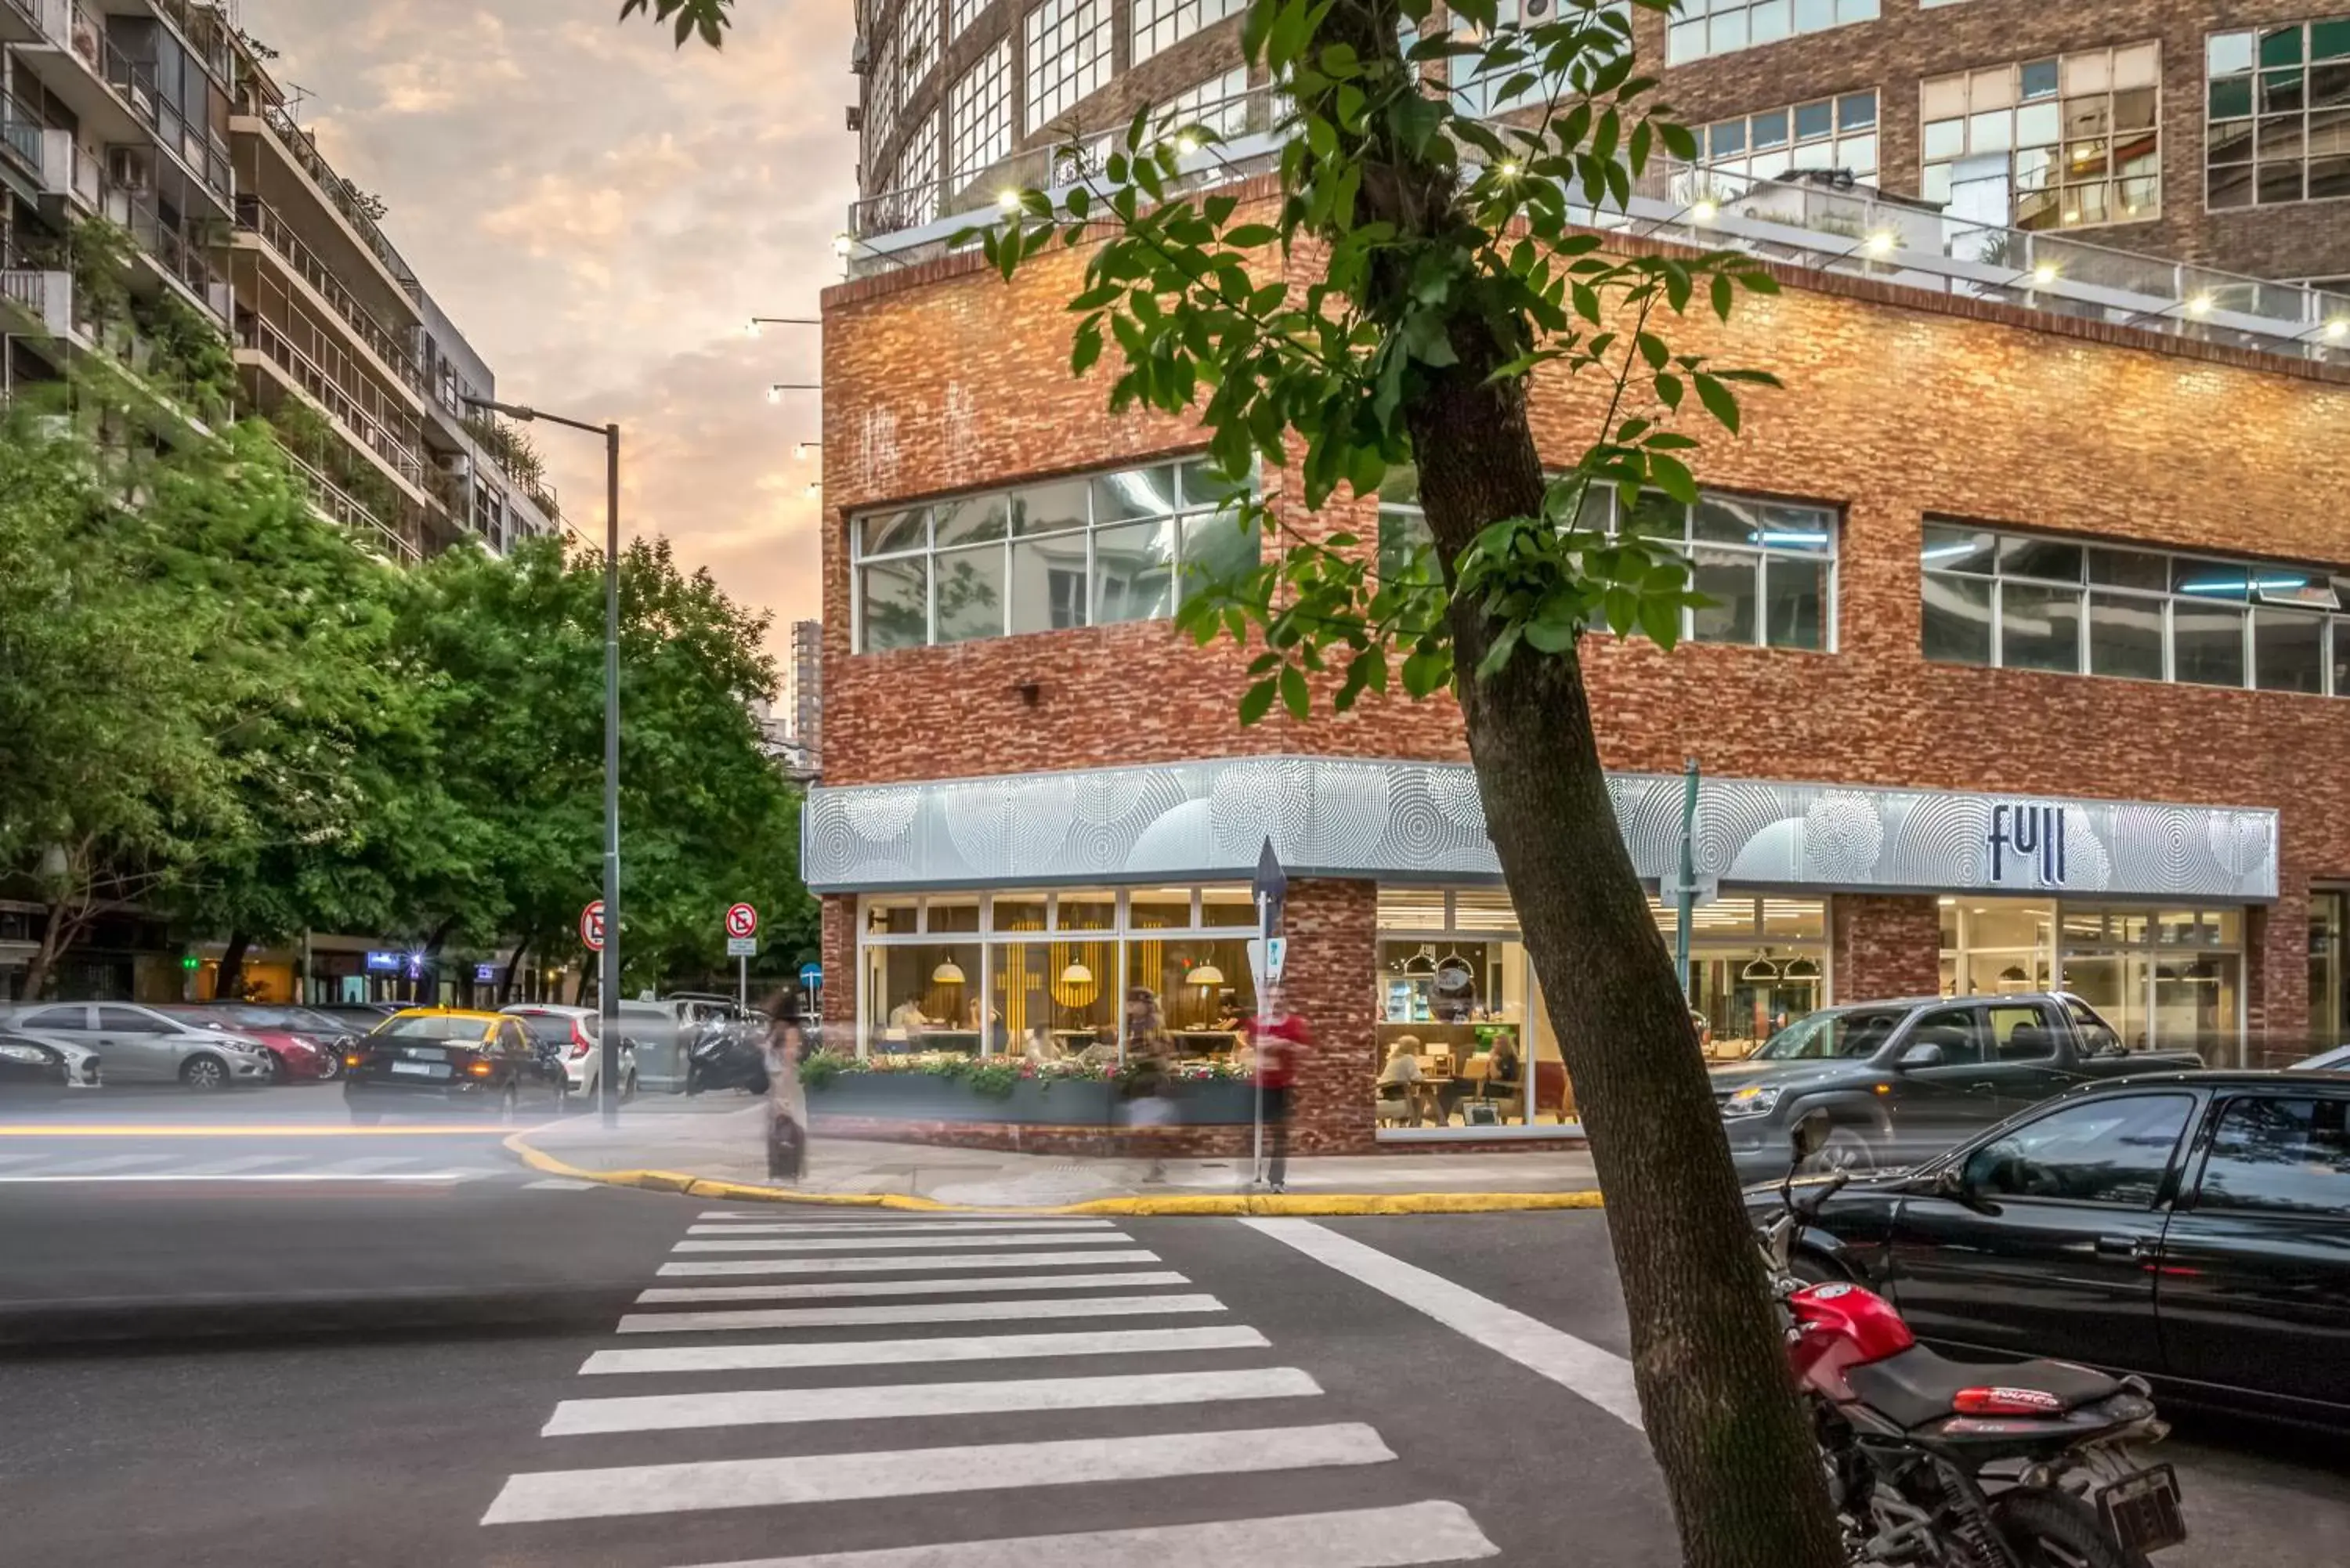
<point x="1133" y="572"/>
<point x="888" y="532"/>
<point x="923" y="997"/>
<point x="2130" y="569"/>
<point x="2125" y="637"/>
<point x="1794" y="601"/>
<point x="971" y="593"/>
<point x="1957" y="619"/>
<point x="1134" y="493"/>
<point x="1056" y="1000"/>
<point x="2207" y="644"/>
<point x="1957" y="550"/>
<point x="894" y="603"/>
<point x="1048" y="583"/>
<point x="1218" y="546"/>
<point x="1048" y="508"/>
<point x="1727" y="578"/>
<point x="2040" y="628"/>
<point x="1204" y="987"/>
<point x="2288" y="651"/>
<point x="2048" y="558"/>
<point x="972" y="519"/>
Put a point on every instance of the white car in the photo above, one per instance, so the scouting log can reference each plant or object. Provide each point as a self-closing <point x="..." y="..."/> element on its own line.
<point x="139" y="1045"/>
<point x="571" y="1033"/>
<point x="2334" y="1061"/>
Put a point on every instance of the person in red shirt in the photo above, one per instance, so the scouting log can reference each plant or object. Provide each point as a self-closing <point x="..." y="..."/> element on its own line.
<point x="1277" y="1039"/>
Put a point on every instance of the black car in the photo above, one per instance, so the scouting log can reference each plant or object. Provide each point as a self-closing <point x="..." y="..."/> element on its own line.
<point x="434" y="1057"/>
<point x="2193" y="1228"/>
<point x="29" y="1069"/>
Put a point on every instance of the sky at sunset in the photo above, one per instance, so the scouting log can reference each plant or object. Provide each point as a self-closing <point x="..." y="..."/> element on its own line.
<point x="601" y="216"/>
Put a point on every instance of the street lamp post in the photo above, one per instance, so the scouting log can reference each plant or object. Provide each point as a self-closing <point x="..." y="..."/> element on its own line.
<point x="607" y="984"/>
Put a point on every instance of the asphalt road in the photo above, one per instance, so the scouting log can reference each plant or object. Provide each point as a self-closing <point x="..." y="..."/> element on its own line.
<point x="1420" y="1390"/>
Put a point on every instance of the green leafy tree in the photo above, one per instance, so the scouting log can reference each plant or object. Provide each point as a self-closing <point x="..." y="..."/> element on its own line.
<point x="1419" y="273"/>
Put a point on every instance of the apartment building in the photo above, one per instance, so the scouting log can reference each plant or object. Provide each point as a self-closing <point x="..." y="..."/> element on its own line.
<point x="170" y="223"/>
<point x="2019" y="669"/>
<point x="803" y="684"/>
<point x="2216" y="134"/>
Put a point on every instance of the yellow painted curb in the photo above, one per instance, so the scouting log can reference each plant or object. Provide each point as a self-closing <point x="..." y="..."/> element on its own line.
<point x="1172" y="1204"/>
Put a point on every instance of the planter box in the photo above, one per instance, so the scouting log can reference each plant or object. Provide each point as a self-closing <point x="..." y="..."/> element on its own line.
<point x="918" y="1096"/>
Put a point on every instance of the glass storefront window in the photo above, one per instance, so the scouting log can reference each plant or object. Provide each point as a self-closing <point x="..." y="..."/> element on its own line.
<point x="1205" y="986"/>
<point x="1227" y="906"/>
<point x="950" y="914"/>
<point x="1078" y="912"/>
<point x="1054" y="1000"/>
<point x="923" y="996"/>
<point x="2164" y="979"/>
<point x="1160" y="909"/>
<point x="1024" y="912"/>
<point x="891" y="917"/>
<point x="1408" y="909"/>
<point x="2329" y="1003"/>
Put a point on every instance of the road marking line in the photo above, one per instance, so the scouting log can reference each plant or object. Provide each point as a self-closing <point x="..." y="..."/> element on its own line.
<point x="851" y="1244"/>
<point x="237" y="1130"/>
<point x="111" y="1162"/>
<point x="677" y="1295"/>
<point x="916" y="1311"/>
<point x="885" y="1352"/>
<point x="250" y="1162"/>
<point x="787" y="1407"/>
<point x="559" y="1184"/>
<point x="961" y="1217"/>
<point x="1584" y="1369"/>
<point x="373" y="1164"/>
<point x="878" y="1266"/>
<point x="1406" y="1537"/>
<point x="855" y="1227"/>
<point x="916" y="1472"/>
<point x="425" y="1179"/>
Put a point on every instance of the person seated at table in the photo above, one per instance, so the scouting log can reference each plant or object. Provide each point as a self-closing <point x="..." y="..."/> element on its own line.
<point x="1503" y="1070"/>
<point x="1040" y="1046"/>
<point x="1399" y="1080"/>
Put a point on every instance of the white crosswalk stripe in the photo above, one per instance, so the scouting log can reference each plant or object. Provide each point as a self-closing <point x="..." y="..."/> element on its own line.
<point x="1406" y="1537"/>
<point x="732" y="1399"/>
<point x="853" y="1244"/>
<point x="880" y="1352"/>
<point x="892" y="1264"/>
<point x="677" y="1295"/>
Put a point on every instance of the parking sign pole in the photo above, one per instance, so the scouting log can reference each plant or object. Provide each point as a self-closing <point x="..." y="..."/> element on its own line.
<point x="743" y="985"/>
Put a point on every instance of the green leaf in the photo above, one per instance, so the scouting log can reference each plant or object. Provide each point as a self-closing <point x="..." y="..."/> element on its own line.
<point x="1257" y="702"/>
<point x="1719" y="400"/>
<point x="1087" y="347"/>
<point x="1672" y="476"/>
<point x="1250" y="236"/>
<point x="1293" y="694"/>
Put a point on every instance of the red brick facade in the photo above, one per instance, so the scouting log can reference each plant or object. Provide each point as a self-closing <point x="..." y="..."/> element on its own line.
<point x="1899" y="406"/>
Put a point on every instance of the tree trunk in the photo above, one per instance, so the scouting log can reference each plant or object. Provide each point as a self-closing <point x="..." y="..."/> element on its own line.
<point x="41" y="970"/>
<point x="1738" y="1459"/>
<point x="428" y="984"/>
<point x="228" y="984"/>
<point x="506" y="980"/>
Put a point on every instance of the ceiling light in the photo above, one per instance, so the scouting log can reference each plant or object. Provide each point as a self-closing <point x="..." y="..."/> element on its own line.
<point x="1880" y="244"/>
<point x="1704" y="212"/>
<point x="2073" y="216"/>
<point x="946" y="973"/>
<point x="2200" y="305"/>
<point x="1076" y="975"/>
<point x="1205" y="974"/>
<point x="2044" y="274"/>
<point x="2338" y="329"/>
<point x="842" y="244"/>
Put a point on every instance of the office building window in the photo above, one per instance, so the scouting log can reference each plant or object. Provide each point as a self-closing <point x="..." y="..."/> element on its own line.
<point x="2277" y="114"/>
<point x="1160" y="23"/>
<point x="2023" y="602"/>
<point x="918" y="169"/>
<point x="1068" y="55"/>
<point x="1828" y="133"/>
<point x="1220" y="104"/>
<point x="1768" y="566"/>
<point x="979" y="115"/>
<point x="1091" y="551"/>
<point x="961" y="13"/>
<point x="1702" y="27"/>
<point x="918" y="48"/>
<point x="2066" y="142"/>
<point x="882" y="102"/>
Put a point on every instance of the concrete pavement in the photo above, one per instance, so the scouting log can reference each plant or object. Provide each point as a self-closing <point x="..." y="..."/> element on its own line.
<point x="716" y="1148"/>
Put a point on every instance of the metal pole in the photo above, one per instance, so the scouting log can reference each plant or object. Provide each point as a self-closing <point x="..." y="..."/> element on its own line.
<point x="607" y="1100"/>
<point x="741" y="984"/>
<point x="1685" y="900"/>
<point x="1256" y="1066"/>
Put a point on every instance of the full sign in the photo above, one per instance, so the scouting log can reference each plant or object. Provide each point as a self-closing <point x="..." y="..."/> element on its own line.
<point x="591" y="925"/>
<point x="741" y="920"/>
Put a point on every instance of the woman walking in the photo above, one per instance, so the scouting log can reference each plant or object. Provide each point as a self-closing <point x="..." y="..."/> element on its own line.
<point x="1149" y="1108"/>
<point x="786" y="1101"/>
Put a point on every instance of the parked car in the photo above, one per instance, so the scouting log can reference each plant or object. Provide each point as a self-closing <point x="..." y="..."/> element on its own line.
<point x="294" y="1056"/>
<point x="2336" y="1061"/>
<point x="76" y="1064"/>
<point x="427" y="1057"/>
<point x="572" y="1035"/>
<point x="2192" y="1228"/>
<point x="32" y="1069"/>
<point x="356" y="1017"/>
<point x="1904" y="1080"/>
<point x="141" y="1045"/>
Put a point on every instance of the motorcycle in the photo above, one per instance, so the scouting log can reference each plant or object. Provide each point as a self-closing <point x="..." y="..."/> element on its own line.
<point x="724" y="1056"/>
<point x="1946" y="1464"/>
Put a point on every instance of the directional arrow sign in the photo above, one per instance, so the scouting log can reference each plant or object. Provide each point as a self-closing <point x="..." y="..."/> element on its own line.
<point x="1271" y="883"/>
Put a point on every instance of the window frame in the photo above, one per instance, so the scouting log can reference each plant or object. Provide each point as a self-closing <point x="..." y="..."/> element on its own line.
<point x="2191" y="1194"/>
<point x="1696" y="18"/>
<point x="979" y="116"/>
<point x="1184" y="515"/>
<point x="1065" y="58"/>
<point x="1789" y="153"/>
<point x="2013" y="102"/>
<point x="2255" y="117"/>
<point x="2168" y="1187"/>
<point x="1158" y="26"/>
<point x="2270" y="592"/>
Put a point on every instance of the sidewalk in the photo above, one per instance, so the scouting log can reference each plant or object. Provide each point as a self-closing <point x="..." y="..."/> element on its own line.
<point x="717" y="1149"/>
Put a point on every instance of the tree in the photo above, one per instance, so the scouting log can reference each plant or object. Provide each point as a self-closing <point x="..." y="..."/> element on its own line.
<point x="1419" y="273"/>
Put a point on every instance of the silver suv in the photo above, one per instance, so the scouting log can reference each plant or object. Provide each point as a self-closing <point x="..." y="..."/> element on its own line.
<point x="138" y="1044"/>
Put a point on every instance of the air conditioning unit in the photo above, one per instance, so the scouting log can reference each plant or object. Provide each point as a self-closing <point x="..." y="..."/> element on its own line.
<point x="860" y="58"/>
<point x="126" y="170"/>
<point x="855" y="117"/>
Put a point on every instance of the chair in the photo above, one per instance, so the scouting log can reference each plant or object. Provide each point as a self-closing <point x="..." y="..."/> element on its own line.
<point x="1397" y="1109"/>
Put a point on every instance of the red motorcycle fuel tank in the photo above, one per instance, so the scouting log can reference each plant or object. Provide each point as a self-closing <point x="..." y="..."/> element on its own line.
<point x="1841" y="1325"/>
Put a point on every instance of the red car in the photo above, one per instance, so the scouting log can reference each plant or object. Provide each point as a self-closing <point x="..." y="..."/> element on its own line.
<point x="296" y="1052"/>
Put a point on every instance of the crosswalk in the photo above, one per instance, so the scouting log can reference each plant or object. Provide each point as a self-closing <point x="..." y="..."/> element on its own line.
<point x="1057" y="1363"/>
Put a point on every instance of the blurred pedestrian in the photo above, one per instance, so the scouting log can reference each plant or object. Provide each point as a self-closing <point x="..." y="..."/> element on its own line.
<point x="1148" y="1053"/>
<point x="1278" y="1039"/>
<point x="786" y="1100"/>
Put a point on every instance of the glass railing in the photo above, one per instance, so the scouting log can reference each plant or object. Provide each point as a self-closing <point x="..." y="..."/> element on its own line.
<point x="257" y="218"/>
<point x="370" y="430"/>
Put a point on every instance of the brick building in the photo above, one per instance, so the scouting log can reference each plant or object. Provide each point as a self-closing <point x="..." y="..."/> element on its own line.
<point x="2217" y="134"/>
<point x="2023" y="670"/>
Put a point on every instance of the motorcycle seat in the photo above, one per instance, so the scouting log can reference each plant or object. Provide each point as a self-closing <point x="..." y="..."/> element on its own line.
<point x="1918" y="1386"/>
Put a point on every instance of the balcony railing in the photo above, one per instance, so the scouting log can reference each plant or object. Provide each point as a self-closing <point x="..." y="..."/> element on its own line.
<point x="303" y="149"/>
<point x="175" y="251"/>
<point x="1802" y="222"/>
<point x="267" y="337"/>
<point x="45" y="295"/>
<point x="80" y="30"/>
<point x="21" y="130"/>
<point x="257" y="218"/>
<point x="338" y="504"/>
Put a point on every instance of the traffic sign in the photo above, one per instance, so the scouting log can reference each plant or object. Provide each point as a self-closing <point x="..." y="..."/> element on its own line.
<point x="1272" y="884"/>
<point x="741" y="920"/>
<point x="742" y="947"/>
<point x="811" y="975"/>
<point x="591" y="925"/>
